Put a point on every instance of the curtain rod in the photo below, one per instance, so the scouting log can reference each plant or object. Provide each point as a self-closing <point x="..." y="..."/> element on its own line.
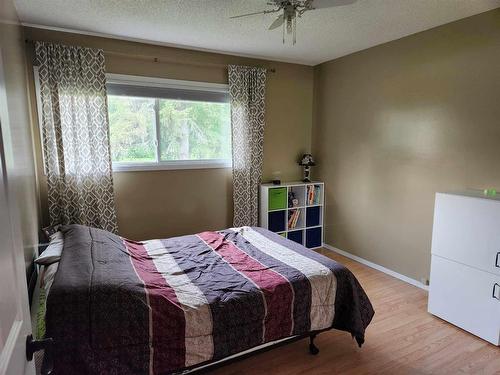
<point x="163" y="60"/>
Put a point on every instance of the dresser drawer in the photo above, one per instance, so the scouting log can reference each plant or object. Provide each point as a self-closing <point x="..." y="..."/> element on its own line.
<point x="467" y="230"/>
<point x="466" y="297"/>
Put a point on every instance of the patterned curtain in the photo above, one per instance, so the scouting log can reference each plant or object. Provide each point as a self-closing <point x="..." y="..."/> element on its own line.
<point x="247" y="89"/>
<point x="75" y="135"/>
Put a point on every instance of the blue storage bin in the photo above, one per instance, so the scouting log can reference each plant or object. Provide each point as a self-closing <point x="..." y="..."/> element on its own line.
<point x="313" y="216"/>
<point x="296" y="236"/>
<point x="276" y="221"/>
<point x="314" y="237"/>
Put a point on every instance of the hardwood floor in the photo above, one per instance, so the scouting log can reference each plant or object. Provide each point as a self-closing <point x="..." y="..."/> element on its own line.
<point x="402" y="339"/>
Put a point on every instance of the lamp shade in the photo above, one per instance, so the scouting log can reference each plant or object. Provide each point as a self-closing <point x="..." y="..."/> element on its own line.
<point x="307" y="160"/>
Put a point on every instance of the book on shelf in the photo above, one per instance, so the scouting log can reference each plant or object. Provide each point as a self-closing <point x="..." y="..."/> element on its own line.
<point x="317" y="194"/>
<point x="313" y="194"/>
<point x="297" y="214"/>
<point x="293" y="218"/>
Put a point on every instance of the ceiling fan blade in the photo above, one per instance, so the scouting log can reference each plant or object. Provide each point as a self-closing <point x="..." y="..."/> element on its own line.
<point x="255" y="13"/>
<point x="249" y="14"/>
<point x="321" y="4"/>
<point x="277" y="22"/>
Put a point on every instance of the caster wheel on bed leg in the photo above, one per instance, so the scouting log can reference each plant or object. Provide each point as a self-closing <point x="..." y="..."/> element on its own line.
<point x="313" y="349"/>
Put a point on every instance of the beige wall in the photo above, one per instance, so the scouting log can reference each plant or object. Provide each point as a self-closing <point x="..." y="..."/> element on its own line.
<point x="16" y="130"/>
<point x="398" y="122"/>
<point x="167" y="203"/>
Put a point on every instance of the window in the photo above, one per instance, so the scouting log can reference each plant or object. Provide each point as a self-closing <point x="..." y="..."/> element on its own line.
<point x="168" y="124"/>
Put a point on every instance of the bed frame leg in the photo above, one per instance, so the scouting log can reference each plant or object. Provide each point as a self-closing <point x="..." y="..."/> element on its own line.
<point x="313" y="349"/>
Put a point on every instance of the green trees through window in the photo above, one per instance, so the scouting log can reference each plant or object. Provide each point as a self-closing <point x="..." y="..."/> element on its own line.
<point x="149" y="130"/>
<point x="132" y="129"/>
<point x="194" y="130"/>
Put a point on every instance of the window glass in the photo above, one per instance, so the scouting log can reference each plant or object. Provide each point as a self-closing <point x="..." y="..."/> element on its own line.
<point x="132" y="126"/>
<point x="193" y="130"/>
<point x="159" y="123"/>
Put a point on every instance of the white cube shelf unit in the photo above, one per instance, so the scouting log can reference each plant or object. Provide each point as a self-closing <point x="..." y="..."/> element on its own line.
<point x="294" y="210"/>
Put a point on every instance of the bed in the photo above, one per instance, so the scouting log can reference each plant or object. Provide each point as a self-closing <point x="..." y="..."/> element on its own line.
<point x="165" y="306"/>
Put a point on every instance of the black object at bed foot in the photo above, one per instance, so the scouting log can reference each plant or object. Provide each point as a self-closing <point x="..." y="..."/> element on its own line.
<point x="313" y="349"/>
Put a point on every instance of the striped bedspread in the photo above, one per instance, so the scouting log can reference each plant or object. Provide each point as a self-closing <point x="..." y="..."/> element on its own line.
<point x="160" y="306"/>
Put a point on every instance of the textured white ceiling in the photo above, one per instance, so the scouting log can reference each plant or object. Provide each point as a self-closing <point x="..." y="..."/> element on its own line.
<point x="204" y="24"/>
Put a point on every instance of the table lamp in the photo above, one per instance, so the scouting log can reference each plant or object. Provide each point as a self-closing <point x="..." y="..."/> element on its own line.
<point x="307" y="162"/>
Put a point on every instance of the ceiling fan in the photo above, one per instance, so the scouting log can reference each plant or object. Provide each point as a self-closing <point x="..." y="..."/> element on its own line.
<point x="292" y="9"/>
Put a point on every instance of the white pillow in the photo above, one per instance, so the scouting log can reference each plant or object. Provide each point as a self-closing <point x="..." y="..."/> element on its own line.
<point x="53" y="252"/>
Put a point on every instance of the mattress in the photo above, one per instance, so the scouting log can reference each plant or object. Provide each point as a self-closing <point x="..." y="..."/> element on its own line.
<point x="163" y="306"/>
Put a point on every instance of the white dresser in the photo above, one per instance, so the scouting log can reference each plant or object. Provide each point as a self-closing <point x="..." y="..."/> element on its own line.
<point x="465" y="268"/>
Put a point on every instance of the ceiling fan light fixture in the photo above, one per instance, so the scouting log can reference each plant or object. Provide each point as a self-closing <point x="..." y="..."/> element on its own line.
<point x="291" y="9"/>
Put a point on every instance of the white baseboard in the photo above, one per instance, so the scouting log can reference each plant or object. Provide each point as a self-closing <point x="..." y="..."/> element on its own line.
<point x="378" y="267"/>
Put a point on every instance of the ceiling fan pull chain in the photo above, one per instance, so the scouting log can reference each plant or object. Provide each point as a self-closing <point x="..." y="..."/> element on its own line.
<point x="284" y="25"/>
<point x="294" y="30"/>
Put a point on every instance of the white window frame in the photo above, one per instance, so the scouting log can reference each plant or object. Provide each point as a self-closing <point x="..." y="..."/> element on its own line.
<point x="155" y="82"/>
<point x="172" y="84"/>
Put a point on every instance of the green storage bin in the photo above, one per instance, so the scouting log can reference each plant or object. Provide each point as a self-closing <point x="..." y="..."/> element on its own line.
<point x="277" y="198"/>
